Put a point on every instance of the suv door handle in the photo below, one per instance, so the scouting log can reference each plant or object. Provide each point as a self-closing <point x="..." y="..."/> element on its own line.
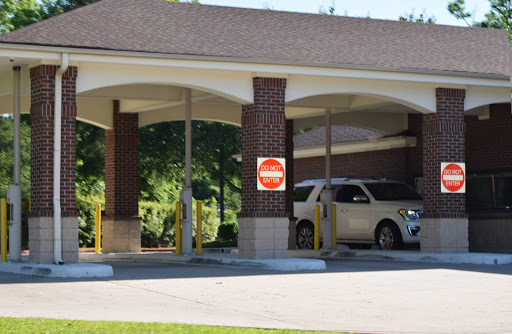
<point x="343" y="210"/>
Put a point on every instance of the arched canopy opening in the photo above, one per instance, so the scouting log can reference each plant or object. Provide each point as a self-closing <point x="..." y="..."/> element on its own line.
<point x="155" y="103"/>
<point x="384" y="114"/>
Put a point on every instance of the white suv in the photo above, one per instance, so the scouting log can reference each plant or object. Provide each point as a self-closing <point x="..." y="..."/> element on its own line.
<point x="368" y="212"/>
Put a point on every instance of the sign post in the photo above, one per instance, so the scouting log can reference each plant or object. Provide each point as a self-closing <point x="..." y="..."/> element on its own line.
<point x="453" y="177"/>
<point x="271" y="174"/>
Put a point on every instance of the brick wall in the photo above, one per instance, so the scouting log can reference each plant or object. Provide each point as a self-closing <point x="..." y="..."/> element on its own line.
<point x="121" y="166"/>
<point x="443" y="140"/>
<point x="42" y="120"/>
<point x="390" y="164"/>
<point x="263" y="135"/>
<point x="489" y="142"/>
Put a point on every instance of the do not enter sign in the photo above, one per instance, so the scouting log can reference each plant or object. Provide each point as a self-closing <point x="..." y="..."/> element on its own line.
<point x="271" y="174"/>
<point x="453" y="177"/>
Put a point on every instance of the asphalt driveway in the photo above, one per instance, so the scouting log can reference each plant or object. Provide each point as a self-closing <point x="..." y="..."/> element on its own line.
<point x="354" y="296"/>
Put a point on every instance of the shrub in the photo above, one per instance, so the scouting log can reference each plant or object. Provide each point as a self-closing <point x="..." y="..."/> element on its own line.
<point x="86" y="206"/>
<point x="158" y="224"/>
<point x="228" y="231"/>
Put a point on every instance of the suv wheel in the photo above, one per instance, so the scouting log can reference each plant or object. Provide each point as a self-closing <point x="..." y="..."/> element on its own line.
<point x="389" y="236"/>
<point x="305" y="235"/>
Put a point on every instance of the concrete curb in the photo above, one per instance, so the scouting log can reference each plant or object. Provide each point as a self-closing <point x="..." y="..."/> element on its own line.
<point x="406" y="256"/>
<point x="289" y="264"/>
<point x="73" y="270"/>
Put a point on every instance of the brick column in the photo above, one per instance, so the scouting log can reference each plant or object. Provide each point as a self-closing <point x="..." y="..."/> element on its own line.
<point x="121" y="226"/>
<point x="289" y="147"/>
<point x="263" y="221"/>
<point x="444" y="225"/>
<point x="42" y="120"/>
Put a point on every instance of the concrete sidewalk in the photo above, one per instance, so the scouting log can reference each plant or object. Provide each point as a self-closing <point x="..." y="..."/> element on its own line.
<point x="226" y="259"/>
<point x="404" y="256"/>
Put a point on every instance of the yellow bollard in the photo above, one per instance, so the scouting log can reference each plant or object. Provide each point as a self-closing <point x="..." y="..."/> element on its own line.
<point x="317" y="227"/>
<point x="3" y="229"/>
<point x="334" y="241"/>
<point x="178" y="228"/>
<point x="199" y="232"/>
<point x="98" y="229"/>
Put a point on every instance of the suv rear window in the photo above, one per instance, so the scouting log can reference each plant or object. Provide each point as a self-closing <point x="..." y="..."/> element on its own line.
<point x="301" y="194"/>
<point x="392" y="192"/>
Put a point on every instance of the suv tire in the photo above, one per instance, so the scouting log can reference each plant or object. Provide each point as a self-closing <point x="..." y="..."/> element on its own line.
<point x="305" y="235"/>
<point x="388" y="236"/>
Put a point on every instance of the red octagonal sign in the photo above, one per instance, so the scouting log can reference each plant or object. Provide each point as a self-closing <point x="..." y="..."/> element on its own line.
<point x="271" y="174"/>
<point x="453" y="177"/>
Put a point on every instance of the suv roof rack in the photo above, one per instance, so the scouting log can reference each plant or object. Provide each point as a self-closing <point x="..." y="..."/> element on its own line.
<point x="323" y="180"/>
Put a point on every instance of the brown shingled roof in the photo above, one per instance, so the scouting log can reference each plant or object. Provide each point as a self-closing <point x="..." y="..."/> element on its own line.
<point x="159" y="26"/>
<point x="339" y="134"/>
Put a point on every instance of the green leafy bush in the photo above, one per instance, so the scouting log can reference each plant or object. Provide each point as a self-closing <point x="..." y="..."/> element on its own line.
<point x="86" y="206"/>
<point x="228" y="231"/>
<point x="158" y="224"/>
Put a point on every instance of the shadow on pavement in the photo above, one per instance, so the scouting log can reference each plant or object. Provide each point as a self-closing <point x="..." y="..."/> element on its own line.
<point x="152" y="270"/>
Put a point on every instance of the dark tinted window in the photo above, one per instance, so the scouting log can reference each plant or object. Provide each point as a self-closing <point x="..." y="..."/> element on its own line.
<point x="489" y="191"/>
<point x="479" y="192"/>
<point x="392" y="192"/>
<point x="301" y="194"/>
<point x="348" y="192"/>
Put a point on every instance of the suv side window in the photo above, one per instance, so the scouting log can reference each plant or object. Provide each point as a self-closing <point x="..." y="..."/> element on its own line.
<point x="347" y="193"/>
<point x="301" y="194"/>
<point x="334" y="188"/>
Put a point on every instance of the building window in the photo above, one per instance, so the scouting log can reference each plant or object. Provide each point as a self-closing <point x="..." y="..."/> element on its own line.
<point x="489" y="191"/>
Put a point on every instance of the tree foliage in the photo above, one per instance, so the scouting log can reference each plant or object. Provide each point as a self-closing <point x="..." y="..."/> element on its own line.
<point x="499" y="16"/>
<point x="421" y="18"/>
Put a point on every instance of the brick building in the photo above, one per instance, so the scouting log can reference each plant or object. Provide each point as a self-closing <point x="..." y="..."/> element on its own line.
<point x="270" y="72"/>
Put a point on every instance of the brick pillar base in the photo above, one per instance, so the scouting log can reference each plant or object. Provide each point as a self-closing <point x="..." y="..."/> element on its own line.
<point x="121" y="225"/>
<point x="40" y="237"/>
<point x="263" y="238"/>
<point x="264" y="219"/>
<point x="444" y="224"/>
<point x="121" y="236"/>
<point x="444" y="235"/>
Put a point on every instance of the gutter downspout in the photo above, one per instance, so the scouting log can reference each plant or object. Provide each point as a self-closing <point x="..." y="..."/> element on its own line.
<point x="57" y="130"/>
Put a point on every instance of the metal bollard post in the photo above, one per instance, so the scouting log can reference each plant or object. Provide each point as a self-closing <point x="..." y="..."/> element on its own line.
<point x="317" y="227"/>
<point x="178" y="228"/>
<point x="334" y="241"/>
<point x="3" y="229"/>
<point x="199" y="232"/>
<point x="98" y="229"/>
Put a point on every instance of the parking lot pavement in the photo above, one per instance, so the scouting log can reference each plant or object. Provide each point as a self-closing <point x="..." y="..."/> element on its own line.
<point x="355" y="296"/>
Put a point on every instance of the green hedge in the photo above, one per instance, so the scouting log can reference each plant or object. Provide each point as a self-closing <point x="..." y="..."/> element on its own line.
<point x="228" y="231"/>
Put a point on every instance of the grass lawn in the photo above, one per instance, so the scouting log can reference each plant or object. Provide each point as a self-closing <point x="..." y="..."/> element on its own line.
<point x="40" y="325"/>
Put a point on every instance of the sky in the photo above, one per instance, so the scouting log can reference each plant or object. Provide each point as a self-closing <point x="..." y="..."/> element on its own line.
<point x="380" y="9"/>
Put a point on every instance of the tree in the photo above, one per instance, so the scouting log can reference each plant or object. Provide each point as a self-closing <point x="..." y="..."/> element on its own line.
<point x="499" y="17"/>
<point x="422" y="18"/>
<point x="331" y="10"/>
